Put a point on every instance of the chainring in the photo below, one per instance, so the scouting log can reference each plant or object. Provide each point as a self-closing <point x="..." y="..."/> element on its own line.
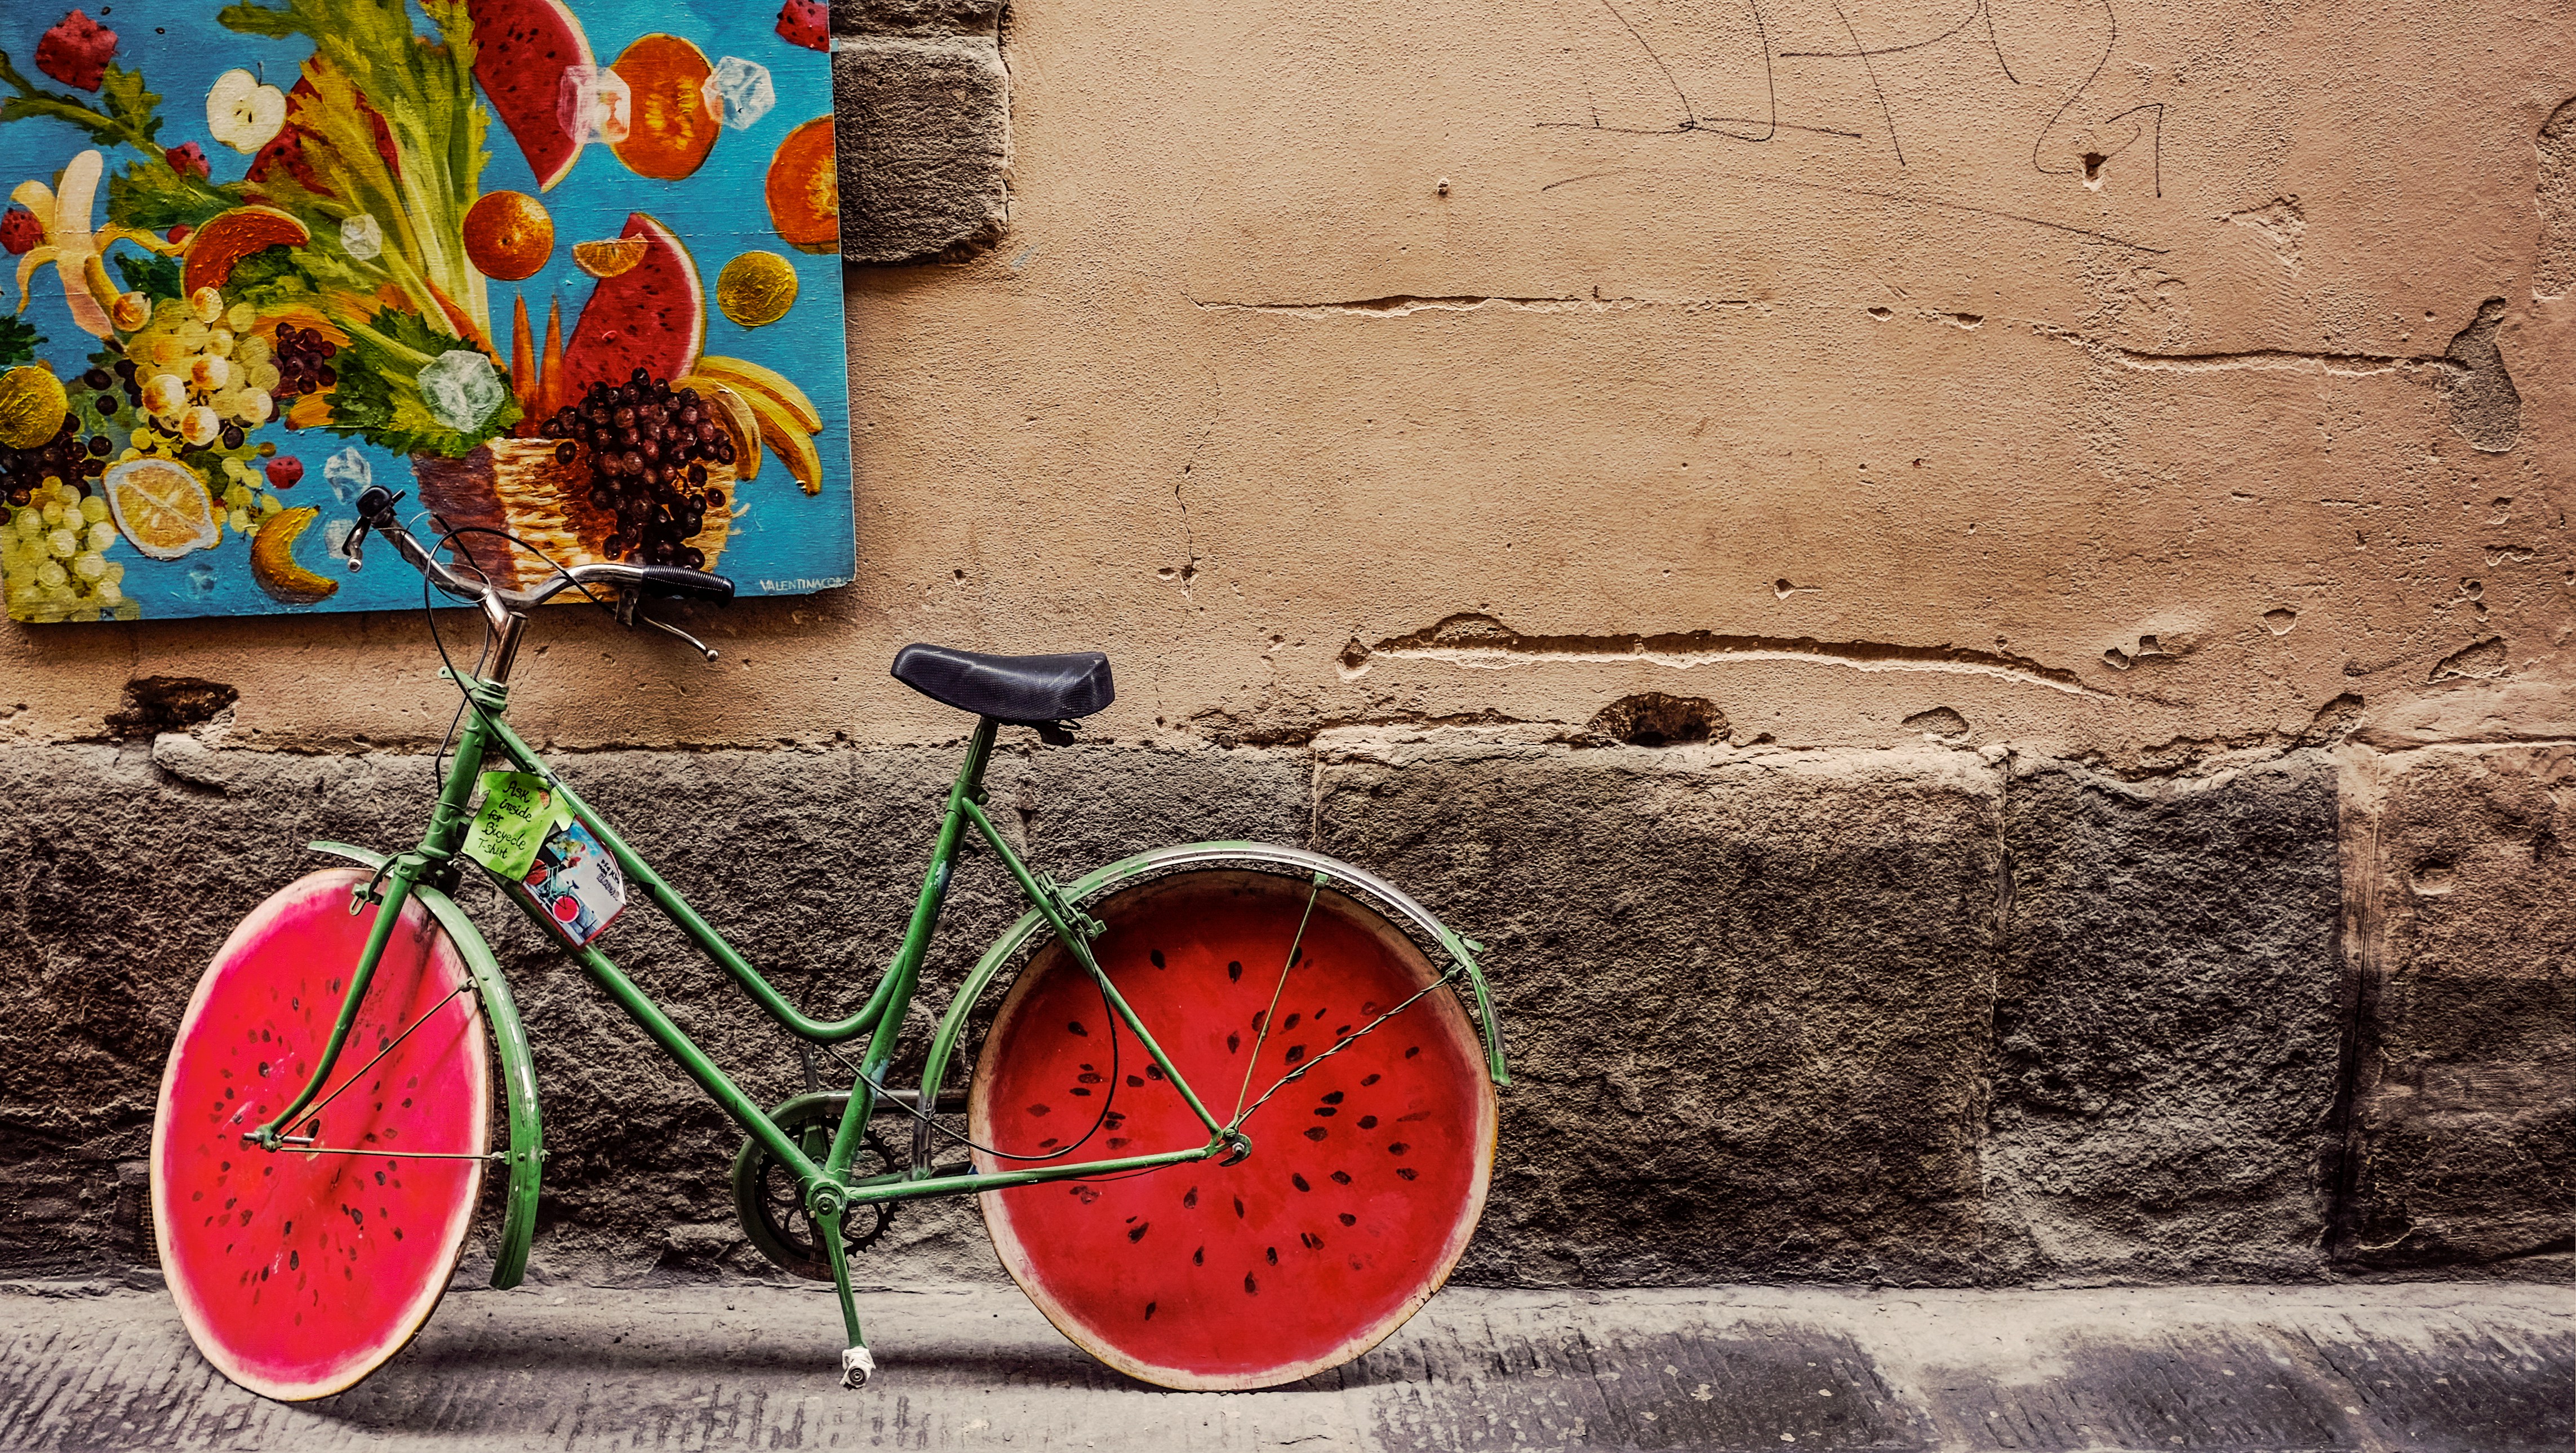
<point x="772" y="1209"/>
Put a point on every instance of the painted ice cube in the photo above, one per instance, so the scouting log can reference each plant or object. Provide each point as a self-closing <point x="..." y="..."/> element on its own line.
<point x="201" y="580"/>
<point x="347" y="472"/>
<point x="594" y="104"/>
<point x="741" y="91"/>
<point x="362" y="237"/>
<point x="462" y="389"/>
<point x="336" y="533"/>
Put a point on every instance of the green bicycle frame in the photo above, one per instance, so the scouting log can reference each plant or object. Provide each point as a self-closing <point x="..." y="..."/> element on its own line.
<point x="881" y="1018"/>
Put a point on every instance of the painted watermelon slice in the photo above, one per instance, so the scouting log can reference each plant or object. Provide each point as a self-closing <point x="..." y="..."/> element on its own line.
<point x="653" y="316"/>
<point x="521" y="50"/>
<point x="299" y="1273"/>
<point x="1366" y="1177"/>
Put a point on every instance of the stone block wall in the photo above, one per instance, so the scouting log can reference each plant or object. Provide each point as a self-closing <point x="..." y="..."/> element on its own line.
<point x="1917" y="1016"/>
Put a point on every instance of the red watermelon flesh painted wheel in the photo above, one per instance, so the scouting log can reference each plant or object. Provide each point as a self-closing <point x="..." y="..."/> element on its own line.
<point x="1366" y="1177"/>
<point x="298" y="1273"/>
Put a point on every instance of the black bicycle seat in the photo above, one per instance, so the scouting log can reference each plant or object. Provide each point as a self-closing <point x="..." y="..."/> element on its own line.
<point x="1023" y="689"/>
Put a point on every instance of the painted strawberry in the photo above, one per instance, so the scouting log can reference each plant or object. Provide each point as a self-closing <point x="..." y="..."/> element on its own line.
<point x="187" y="161"/>
<point x="20" y="231"/>
<point x="807" y="23"/>
<point x="285" y="470"/>
<point x="75" y="51"/>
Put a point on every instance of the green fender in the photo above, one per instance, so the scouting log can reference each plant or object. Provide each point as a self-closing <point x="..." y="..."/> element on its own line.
<point x="1296" y="861"/>
<point x="518" y="1070"/>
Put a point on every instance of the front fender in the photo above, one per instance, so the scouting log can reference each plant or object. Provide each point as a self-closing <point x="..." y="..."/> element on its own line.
<point x="518" y="1070"/>
<point x="1387" y="896"/>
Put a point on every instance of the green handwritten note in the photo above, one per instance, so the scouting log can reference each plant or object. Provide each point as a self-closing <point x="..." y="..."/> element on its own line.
<point x="512" y="823"/>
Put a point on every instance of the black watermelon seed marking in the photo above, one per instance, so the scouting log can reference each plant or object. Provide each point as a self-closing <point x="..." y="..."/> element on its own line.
<point x="1405" y="1171"/>
<point x="1149" y="1311"/>
<point x="1233" y="1042"/>
<point x="1138" y="1234"/>
<point x="1251" y="1288"/>
<point x="1313" y="1241"/>
<point x="1047" y="1144"/>
<point x="1114" y="1118"/>
<point x="1256" y="1019"/>
<point x="1153" y="1072"/>
<point x="1157" y="956"/>
<point x="1370" y="1080"/>
<point x="1116" y="1141"/>
<point x="1037" y="1109"/>
<point x="1199" y="1257"/>
<point x="1077" y="1090"/>
<point x="1234" y="970"/>
<point x="1299" y="1181"/>
<point x="1297" y="958"/>
<point x="1087" y="1077"/>
<point x="294" y="1260"/>
<point x="1368" y="1122"/>
<point x="1398" y="1148"/>
<point x="1410" y="1053"/>
<point x="1335" y="1098"/>
<point x="1135" y="1082"/>
<point x="1349" y="1220"/>
<point x="1338" y="1033"/>
<point x="1075" y="1026"/>
<point x="1296" y="1052"/>
<point x="1326" y="1111"/>
<point x="1190" y="1199"/>
<point x="1292" y="1022"/>
<point x="398" y="1233"/>
<point x="1317" y="1133"/>
<point x="1238" y="1208"/>
<point x="1342" y="1177"/>
<point x="1274" y="1255"/>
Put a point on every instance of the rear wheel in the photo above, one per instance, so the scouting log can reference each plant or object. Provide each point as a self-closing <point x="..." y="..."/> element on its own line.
<point x="300" y="1271"/>
<point x="1367" y="1173"/>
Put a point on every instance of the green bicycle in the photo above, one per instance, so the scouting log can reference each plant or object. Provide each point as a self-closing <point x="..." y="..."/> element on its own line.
<point x="1231" y="1125"/>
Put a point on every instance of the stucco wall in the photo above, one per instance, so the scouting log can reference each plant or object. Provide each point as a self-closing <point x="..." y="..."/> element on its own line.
<point x="1457" y="371"/>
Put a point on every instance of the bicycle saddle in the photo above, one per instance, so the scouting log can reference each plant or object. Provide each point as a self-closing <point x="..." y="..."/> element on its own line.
<point x="1021" y="689"/>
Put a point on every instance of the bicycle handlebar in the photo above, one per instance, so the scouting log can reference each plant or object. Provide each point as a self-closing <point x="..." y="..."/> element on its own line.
<point x="376" y="512"/>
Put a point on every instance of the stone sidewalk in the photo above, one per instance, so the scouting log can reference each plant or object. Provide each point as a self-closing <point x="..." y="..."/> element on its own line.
<point x="2438" y="1367"/>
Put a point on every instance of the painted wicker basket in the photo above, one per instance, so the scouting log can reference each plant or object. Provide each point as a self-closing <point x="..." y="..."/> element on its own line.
<point x="519" y="486"/>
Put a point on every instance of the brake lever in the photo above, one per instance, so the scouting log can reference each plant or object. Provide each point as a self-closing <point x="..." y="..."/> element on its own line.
<point x="701" y="647"/>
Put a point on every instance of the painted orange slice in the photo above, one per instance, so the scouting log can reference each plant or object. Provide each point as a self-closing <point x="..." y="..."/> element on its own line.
<point x="675" y="118"/>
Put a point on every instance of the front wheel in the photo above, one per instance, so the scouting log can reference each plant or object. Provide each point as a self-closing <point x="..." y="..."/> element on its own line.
<point x="1367" y="1174"/>
<point x="300" y="1271"/>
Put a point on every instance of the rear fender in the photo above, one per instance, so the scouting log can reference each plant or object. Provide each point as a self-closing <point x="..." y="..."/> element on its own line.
<point x="518" y="1070"/>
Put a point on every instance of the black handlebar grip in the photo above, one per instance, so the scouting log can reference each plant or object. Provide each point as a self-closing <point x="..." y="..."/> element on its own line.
<point x="375" y="503"/>
<point x="671" y="581"/>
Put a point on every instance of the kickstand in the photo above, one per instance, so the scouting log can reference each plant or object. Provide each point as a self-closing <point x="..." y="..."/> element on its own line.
<point x="857" y="1363"/>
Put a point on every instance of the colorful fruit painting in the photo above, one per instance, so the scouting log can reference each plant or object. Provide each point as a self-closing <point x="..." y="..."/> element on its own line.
<point x="264" y="253"/>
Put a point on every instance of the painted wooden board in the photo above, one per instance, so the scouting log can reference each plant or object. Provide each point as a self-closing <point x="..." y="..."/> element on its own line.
<point x="262" y="254"/>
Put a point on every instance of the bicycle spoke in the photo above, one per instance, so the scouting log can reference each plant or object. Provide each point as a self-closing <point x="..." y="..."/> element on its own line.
<point x="1345" y="1042"/>
<point x="1272" y="1012"/>
<point x="315" y="1111"/>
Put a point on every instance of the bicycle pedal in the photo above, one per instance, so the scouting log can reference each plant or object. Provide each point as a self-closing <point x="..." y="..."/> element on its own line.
<point x="857" y="1366"/>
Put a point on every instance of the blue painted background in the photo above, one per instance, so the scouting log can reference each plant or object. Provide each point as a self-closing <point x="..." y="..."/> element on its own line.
<point x="787" y="542"/>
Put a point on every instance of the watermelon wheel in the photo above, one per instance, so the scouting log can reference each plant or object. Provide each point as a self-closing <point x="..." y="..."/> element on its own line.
<point x="1366" y="1176"/>
<point x="298" y="1272"/>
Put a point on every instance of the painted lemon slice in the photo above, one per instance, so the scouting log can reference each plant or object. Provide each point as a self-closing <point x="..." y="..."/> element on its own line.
<point x="162" y="507"/>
